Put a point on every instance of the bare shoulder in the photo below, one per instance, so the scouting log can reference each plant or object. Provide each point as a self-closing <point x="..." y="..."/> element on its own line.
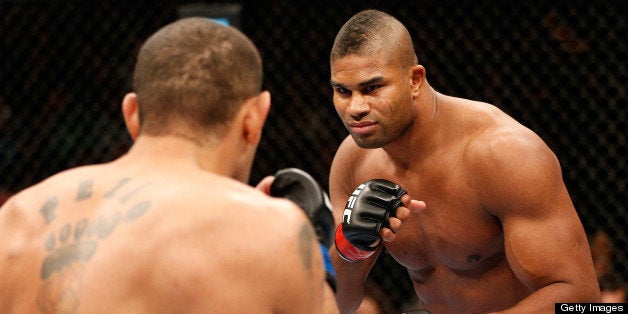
<point x="226" y="212"/>
<point x="34" y="196"/>
<point x="506" y="159"/>
<point x="244" y="201"/>
<point x="505" y="143"/>
<point x="347" y="153"/>
<point x="243" y="241"/>
<point x="351" y="160"/>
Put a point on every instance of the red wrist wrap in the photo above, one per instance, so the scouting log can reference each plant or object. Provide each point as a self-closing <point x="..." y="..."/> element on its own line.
<point x="347" y="251"/>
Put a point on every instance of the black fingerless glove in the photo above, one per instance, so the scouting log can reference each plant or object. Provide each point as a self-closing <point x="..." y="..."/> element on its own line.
<point x="299" y="187"/>
<point x="366" y="212"/>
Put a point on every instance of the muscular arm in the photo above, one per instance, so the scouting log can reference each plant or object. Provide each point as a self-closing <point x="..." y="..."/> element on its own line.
<point x="317" y="293"/>
<point x="350" y="276"/>
<point x="296" y="185"/>
<point x="374" y="197"/>
<point x="300" y="286"/>
<point x="545" y="243"/>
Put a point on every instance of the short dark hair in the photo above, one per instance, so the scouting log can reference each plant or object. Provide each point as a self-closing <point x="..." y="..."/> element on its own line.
<point x="358" y="32"/>
<point x="197" y="71"/>
<point x="369" y="30"/>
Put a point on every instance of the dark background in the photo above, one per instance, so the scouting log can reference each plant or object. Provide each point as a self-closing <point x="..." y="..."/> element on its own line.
<point x="558" y="68"/>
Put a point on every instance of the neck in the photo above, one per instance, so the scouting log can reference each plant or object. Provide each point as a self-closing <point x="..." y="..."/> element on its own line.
<point x="419" y="139"/>
<point x="180" y="153"/>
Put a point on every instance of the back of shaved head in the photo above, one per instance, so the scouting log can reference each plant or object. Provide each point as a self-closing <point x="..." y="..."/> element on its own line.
<point x="371" y="31"/>
<point x="196" y="73"/>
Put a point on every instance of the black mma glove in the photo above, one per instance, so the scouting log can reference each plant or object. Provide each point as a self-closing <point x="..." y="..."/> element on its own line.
<point x="366" y="212"/>
<point x="299" y="187"/>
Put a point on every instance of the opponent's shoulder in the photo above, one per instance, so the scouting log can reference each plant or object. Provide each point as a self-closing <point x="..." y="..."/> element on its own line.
<point x="274" y="212"/>
<point x="242" y="229"/>
<point x="13" y="218"/>
<point x="241" y="242"/>
<point x="237" y="205"/>
<point x="235" y="194"/>
<point x="33" y="195"/>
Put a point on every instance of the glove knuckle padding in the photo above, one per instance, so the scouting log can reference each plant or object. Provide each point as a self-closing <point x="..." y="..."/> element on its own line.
<point x="370" y="206"/>
<point x="393" y="193"/>
<point x="299" y="187"/>
<point x="378" y="205"/>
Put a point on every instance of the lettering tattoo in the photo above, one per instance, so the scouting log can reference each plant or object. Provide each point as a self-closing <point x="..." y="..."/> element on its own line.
<point x="115" y="189"/>
<point x="85" y="190"/>
<point x="48" y="210"/>
<point x="71" y="246"/>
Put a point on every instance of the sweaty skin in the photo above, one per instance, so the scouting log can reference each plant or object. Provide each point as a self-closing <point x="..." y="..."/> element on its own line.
<point x="499" y="230"/>
<point x="126" y="238"/>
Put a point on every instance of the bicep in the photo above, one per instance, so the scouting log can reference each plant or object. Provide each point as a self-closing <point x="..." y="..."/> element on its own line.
<point x="543" y="236"/>
<point x="547" y="248"/>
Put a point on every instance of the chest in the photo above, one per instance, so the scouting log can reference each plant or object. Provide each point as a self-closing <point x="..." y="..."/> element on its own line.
<point x="454" y="230"/>
<point x="457" y="235"/>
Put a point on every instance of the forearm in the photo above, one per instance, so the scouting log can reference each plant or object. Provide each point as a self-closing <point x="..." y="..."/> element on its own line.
<point x="370" y="211"/>
<point x="543" y="300"/>
<point x="351" y="278"/>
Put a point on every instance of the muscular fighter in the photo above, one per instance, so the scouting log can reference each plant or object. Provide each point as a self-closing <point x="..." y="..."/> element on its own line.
<point x="499" y="231"/>
<point x="171" y="226"/>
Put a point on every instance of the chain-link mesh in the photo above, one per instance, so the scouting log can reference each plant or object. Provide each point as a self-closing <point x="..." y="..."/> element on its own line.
<point x="560" y="69"/>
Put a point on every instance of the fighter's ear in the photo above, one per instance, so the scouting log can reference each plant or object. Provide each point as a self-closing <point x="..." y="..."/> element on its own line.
<point x="131" y="114"/>
<point x="417" y="77"/>
<point x="257" y="110"/>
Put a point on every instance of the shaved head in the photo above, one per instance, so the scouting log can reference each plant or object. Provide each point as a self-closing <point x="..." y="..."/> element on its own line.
<point x="194" y="74"/>
<point x="373" y="31"/>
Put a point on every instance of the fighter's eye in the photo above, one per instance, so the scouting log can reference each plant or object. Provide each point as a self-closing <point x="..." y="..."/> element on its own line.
<point x="343" y="91"/>
<point x="370" y="88"/>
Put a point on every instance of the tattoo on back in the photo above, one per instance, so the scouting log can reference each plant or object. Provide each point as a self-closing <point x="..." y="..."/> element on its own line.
<point x="71" y="247"/>
<point x="85" y="190"/>
<point x="48" y="210"/>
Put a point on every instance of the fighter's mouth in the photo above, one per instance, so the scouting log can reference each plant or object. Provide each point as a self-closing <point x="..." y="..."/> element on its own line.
<point x="362" y="126"/>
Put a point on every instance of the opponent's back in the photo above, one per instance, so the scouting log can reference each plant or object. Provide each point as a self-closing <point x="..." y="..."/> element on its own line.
<point x="108" y="239"/>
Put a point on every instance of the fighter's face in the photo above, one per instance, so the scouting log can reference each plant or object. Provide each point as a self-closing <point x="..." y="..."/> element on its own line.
<point x="372" y="97"/>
